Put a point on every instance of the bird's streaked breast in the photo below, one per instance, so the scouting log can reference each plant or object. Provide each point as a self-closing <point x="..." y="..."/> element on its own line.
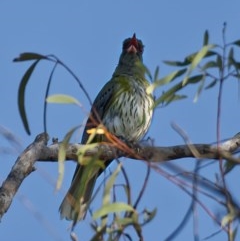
<point x="130" y="114"/>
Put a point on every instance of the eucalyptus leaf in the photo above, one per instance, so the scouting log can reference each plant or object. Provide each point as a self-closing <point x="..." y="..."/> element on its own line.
<point x="149" y="215"/>
<point x="197" y="59"/>
<point x="109" y="185"/>
<point x="29" y="56"/>
<point x="62" y="156"/>
<point x="166" y="96"/>
<point x="21" y="95"/>
<point x="196" y="78"/>
<point x="219" y="62"/>
<point x="228" y="218"/>
<point x="174" y="97"/>
<point x="230" y="57"/>
<point x="177" y="63"/>
<point x="165" y="80"/>
<point x="228" y="167"/>
<point x="107" y="206"/>
<point x="170" y="95"/>
<point x="237" y="42"/>
<point x="237" y="76"/>
<point x="209" y="64"/>
<point x="125" y="221"/>
<point x="112" y="208"/>
<point x="211" y="53"/>
<point x="156" y="73"/>
<point x="212" y="84"/>
<point x="61" y="159"/>
<point x="63" y="99"/>
<point x="199" y="90"/>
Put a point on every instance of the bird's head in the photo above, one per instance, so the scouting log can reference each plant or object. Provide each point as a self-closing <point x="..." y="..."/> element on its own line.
<point x="133" y="48"/>
<point x="131" y="57"/>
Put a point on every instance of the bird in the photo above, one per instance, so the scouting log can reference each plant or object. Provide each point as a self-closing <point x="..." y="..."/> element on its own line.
<point x="125" y="108"/>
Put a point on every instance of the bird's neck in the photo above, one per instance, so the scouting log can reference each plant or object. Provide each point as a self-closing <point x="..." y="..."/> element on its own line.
<point x="133" y="68"/>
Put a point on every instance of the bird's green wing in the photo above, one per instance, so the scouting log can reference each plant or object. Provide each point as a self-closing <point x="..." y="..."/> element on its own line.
<point x="103" y="101"/>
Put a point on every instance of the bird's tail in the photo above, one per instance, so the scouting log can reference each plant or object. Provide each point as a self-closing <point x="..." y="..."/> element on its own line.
<point x="75" y="204"/>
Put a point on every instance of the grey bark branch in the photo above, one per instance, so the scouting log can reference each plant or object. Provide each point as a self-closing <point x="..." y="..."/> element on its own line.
<point x="39" y="151"/>
<point x="23" y="166"/>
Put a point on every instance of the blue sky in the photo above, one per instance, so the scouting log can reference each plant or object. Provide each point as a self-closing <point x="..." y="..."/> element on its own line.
<point x="87" y="36"/>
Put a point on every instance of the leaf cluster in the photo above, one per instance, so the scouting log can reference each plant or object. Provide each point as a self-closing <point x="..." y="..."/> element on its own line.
<point x="197" y="69"/>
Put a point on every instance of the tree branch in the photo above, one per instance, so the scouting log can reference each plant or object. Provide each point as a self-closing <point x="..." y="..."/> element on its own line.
<point x="39" y="151"/>
<point x="21" y="169"/>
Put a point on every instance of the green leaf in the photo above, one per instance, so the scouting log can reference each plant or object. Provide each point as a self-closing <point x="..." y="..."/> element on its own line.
<point x="230" y="58"/>
<point x="168" y="95"/>
<point x="82" y="150"/>
<point x="174" y="97"/>
<point x="149" y="215"/>
<point x="196" y="60"/>
<point x="50" y="79"/>
<point x="219" y="62"/>
<point x="188" y="60"/>
<point x="236" y="76"/>
<point x="91" y="168"/>
<point x="29" y="56"/>
<point x="211" y="84"/>
<point x="125" y="221"/>
<point x="62" y="156"/>
<point x="194" y="79"/>
<point x="237" y="42"/>
<point x="177" y="63"/>
<point x="169" y="78"/>
<point x="61" y="159"/>
<point x="205" y="38"/>
<point x="237" y="65"/>
<point x="209" y="64"/>
<point x="21" y="95"/>
<point x="165" y="80"/>
<point x="191" y="57"/>
<point x="109" y="185"/>
<point x="112" y="208"/>
<point x="171" y="91"/>
<point x="106" y="203"/>
<point x="228" y="218"/>
<point x="211" y="53"/>
<point x="234" y="233"/>
<point x="199" y="90"/>
<point x="63" y="99"/>
<point x="156" y="73"/>
<point x="228" y="166"/>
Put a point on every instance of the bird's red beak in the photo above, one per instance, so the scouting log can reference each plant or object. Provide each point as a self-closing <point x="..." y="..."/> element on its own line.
<point x="133" y="45"/>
